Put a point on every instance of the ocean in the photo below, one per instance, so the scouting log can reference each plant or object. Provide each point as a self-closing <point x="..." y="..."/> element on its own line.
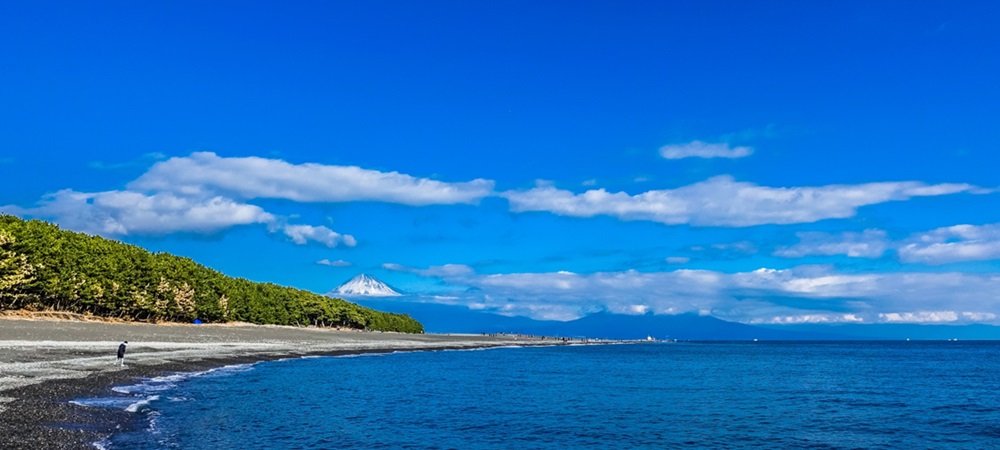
<point x="648" y="395"/>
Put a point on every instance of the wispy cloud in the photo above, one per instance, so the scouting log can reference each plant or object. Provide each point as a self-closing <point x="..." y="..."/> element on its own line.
<point x="337" y="263"/>
<point x="867" y="244"/>
<point x="722" y="201"/>
<point x="253" y="177"/>
<point x="953" y="244"/>
<point x="808" y="318"/>
<point x="958" y="243"/>
<point x="143" y="161"/>
<point x="699" y="149"/>
<point x="727" y="250"/>
<point x="920" y="317"/>
<point x="451" y="271"/>
<point x="303" y="234"/>
<point x="6" y="160"/>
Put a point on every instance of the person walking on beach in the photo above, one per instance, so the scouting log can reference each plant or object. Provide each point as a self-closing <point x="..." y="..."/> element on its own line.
<point x="121" y="353"/>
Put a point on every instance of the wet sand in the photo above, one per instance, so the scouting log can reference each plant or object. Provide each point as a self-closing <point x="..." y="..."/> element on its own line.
<point x="46" y="363"/>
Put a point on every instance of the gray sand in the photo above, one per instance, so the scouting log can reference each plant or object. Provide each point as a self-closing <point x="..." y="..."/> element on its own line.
<point x="34" y="351"/>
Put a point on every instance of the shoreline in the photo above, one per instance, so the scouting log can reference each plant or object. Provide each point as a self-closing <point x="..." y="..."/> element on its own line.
<point x="44" y="364"/>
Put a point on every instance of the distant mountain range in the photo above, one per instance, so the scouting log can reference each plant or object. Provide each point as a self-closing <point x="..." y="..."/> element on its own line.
<point x="439" y="318"/>
<point x="364" y="285"/>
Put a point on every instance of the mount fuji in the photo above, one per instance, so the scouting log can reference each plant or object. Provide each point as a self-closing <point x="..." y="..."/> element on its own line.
<point x="364" y="285"/>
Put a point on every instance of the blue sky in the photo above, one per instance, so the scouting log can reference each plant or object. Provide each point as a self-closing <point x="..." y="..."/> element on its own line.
<point x="764" y="162"/>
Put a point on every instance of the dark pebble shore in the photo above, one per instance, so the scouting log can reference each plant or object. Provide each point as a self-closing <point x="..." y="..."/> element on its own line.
<point x="42" y="416"/>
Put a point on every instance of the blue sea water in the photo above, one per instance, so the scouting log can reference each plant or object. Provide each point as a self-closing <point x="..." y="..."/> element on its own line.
<point x="664" y="395"/>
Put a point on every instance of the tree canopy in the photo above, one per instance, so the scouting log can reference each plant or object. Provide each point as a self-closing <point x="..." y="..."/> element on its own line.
<point x="45" y="268"/>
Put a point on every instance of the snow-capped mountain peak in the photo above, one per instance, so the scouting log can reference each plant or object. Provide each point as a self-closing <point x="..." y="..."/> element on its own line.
<point x="366" y="286"/>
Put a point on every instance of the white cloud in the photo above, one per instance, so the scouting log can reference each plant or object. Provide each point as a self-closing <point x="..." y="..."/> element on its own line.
<point x="124" y="213"/>
<point x="920" y="317"/>
<point x="953" y="244"/>
<point x="337" y="263"/>
<point x="722" y="201"/>
<point x="699" y="149"/>
<point x="944" y="245"/>
<point x="451" y="271"/>
<point x="807" y="294"/>
<point x="677" y="260"/>
<point x="448" y="270"/>
<point x="119" y="213"/>
<point x="805" y="282"/>
<point x="867" y="244"/>
<point x="303" y="234"/>
<point x="809" y="318"/>
<point x="638" y="309"/>
<point x="252" y="177"/>
<point x="206" y="193"/>
<point x="979" y="316"/>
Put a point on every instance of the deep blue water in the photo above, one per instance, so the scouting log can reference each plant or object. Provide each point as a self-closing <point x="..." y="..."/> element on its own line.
<point x="708" y="395"/>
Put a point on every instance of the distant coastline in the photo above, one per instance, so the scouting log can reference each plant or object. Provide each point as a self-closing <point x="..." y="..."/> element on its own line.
<point x="45" y="363"/>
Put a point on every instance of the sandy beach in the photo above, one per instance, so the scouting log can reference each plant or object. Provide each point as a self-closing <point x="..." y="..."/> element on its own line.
<point x="46" y="363"/>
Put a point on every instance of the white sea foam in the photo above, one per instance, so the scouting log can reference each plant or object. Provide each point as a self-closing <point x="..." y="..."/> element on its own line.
<point x="154" y="422"/>
<point x="361" y="355"/>
<point x="295" y="358"/>
<point x="224" y="370"/>
<point x="480" y="349"/>
<point x="106" y="402"/>
<point x="166" y="382"/>
<point x="145" y="387"/>
<point x="102" y="444"/>
<point x="142" y="404"/>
